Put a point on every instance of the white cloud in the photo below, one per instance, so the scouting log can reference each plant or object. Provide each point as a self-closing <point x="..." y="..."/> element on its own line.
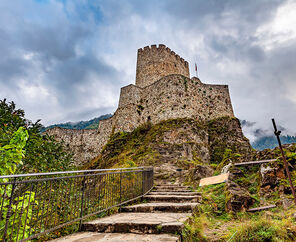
<point x="73" y="57"/>
<point x="280" y="29"/>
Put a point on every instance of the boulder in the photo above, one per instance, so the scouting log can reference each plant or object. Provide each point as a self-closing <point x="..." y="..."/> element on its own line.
<point x="270" y="179"/>
<point x="286" y="202"/>
<point x="201" y="171"/>
<point x="237" y="198"/>
<point x="268" y="176"/>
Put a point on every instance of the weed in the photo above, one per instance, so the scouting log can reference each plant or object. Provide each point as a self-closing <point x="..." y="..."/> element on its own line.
<point x="264" y="229"/>
<point x="192" y="231"/>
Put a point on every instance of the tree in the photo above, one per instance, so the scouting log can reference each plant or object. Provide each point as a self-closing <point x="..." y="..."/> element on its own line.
<point x="43" y="153"/>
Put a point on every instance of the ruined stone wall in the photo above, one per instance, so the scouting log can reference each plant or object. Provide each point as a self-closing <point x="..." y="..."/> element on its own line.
<point x="174" y="96"/>
<point x="129" y="94"/>
<point x="219" y="101"/>
<point x="154" y="62"/>
<point x="84" y="144"/>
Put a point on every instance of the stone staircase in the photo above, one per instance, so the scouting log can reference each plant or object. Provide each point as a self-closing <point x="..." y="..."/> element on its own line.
<point x="160" y="219"/>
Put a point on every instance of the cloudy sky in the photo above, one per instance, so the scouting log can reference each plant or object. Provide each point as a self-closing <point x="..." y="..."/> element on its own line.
<point x="66" y="60"/>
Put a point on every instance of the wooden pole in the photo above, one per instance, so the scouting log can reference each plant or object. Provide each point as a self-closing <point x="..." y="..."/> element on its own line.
<point x="277" y="134"/>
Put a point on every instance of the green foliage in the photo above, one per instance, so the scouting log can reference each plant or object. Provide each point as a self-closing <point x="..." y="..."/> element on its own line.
<point x="228" y="156"/>
<point x="221" y="138"/>
<point x="213" y="200"/>
<point x="264" y="230"/>
<point x="43" y="153"/>
<point x="11" y="154"/>
<point x="193" y="228"/>
<point x="10" y="158"/>
<point x="290" y="156"/>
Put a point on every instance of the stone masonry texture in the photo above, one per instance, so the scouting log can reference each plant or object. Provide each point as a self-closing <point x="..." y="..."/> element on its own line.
<point x="163" y="90"/>
<point x="154" y="62"/>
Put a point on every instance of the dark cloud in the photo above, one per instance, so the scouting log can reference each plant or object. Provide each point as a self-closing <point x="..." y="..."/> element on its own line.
<point x="66" y="60"/>
<point x="251" y="12"/>
<point x="49" y="58"/>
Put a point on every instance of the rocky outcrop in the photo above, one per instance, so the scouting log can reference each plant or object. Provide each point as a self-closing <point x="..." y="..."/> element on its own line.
<point x="225" y="133"/>
<point x="237" y="198"/>
<point x="174" y="144"/>
<point x="201" y="171"/>
<point x="270" y="178"/>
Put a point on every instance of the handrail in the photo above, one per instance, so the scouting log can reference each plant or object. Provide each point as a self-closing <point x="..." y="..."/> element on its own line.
<point x="30" y="208"/>
<point x="67" y="172"/>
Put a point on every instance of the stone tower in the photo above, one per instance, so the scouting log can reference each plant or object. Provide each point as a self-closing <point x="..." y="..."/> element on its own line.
<point x="154" y="62"/>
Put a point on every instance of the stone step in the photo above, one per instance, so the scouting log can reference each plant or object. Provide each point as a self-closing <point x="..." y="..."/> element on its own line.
<point x="168" y="184"/>
<point x="171" y="186"/>
<point x="171" y="190"/>
<point x="148" y="223"/>
<point x="174" y="193"/>
<point x="171" y="198"/>
<point x="116" y="237"/>
<point x="161" y="207"/>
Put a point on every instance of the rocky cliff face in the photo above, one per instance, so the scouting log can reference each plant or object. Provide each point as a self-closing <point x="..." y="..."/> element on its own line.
<point x="178" y="143"/>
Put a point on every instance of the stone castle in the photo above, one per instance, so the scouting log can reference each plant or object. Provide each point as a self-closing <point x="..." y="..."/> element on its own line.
<point x="163" y="90"/>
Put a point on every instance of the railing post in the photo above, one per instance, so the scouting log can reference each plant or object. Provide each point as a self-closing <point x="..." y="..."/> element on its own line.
<point x="9" y="209"/>
<point x="120" y="198"/>
<point x="82" y="201"/>
<point x="151" y="181"/>
<point x="143" y="182"/>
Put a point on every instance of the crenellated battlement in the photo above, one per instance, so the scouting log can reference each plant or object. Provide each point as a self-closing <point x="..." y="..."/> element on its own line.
<point x="147" y="49"/>
<point x="155" y="62"/>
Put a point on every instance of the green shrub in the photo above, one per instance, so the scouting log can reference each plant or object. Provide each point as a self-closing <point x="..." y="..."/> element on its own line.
<point x="43" y="153"/>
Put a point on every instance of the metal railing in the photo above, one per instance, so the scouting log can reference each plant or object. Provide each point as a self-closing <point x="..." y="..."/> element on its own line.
<point x="34" y="204"/>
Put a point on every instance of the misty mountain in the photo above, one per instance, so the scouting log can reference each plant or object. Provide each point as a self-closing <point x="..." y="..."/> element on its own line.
<point x="264" y="139"/>
<point x="269" y="142"/>
<point x="90" y="124"/>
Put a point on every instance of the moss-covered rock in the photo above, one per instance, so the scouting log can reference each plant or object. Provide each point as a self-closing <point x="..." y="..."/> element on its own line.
<point x="237" y="198"/>
<point x="226" y="133"/>
<point x="172" y="144"/>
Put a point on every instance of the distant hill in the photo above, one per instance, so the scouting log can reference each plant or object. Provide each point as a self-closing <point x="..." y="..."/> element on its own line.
<point x="90" y="124"/>
<point x="263" y="138"/>
<point x="270" y="142"/>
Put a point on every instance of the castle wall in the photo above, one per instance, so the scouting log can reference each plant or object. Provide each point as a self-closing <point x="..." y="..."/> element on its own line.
<point x="154" y="62"/>
<point x="104" y="131"/>
<point x="174" y="96"/>
<point x="129" y="94"/>
<point x="84" y="144"/>
<point x="219" y="101"/>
